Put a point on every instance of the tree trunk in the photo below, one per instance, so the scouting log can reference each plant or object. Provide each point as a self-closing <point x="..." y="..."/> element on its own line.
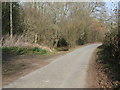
<point x="11" y="25"/>
<point x="36" y="38"/>
<point x="56" y="43"/>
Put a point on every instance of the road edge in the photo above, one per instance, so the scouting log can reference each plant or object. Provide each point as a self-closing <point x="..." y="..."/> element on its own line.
<point x="91" y="73"/>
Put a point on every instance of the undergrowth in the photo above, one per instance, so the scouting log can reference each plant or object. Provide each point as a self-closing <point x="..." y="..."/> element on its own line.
<point x="20" y="50"/>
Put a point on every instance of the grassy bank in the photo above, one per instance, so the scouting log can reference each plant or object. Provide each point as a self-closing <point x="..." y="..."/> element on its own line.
<point x="20" y="51"/>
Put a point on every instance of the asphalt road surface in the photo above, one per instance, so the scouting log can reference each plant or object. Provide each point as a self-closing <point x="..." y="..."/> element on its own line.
<point x="68" y="71"/>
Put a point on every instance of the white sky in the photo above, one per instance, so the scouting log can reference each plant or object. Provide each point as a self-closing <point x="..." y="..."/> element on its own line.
<point x="62" y="0"/>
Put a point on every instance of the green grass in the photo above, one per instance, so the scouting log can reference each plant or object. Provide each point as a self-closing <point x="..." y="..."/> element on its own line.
<point x="20" y="51"/>
<point x="58" y="49"/>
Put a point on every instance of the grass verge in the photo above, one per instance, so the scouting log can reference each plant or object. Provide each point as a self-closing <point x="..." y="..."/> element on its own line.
<point x="20" y="51"/>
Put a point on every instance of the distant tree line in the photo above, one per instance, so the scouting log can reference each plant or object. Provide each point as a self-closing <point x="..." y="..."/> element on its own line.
<point x="54" y="24"/>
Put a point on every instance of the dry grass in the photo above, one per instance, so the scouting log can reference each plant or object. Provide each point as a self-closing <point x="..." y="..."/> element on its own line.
<point x="20" y="41"/>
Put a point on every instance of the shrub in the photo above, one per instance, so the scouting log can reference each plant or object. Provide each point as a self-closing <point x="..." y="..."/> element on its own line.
<point x="36" y="49"/>
<point x="110" y="54"/>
